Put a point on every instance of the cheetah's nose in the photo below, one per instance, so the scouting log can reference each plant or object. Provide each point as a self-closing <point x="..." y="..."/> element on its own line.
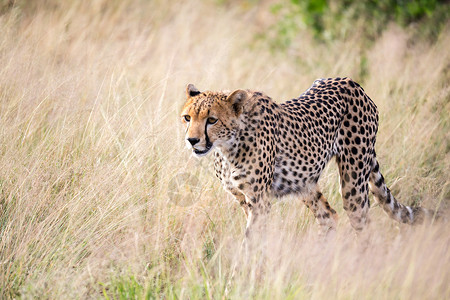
<point x="193" y="141"/>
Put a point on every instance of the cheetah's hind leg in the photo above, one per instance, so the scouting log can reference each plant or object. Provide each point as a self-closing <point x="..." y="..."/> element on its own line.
<point x="355" y="191"/>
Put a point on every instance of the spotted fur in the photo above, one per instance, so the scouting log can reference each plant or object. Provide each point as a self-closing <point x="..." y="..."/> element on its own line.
<point x="265" y="149"/>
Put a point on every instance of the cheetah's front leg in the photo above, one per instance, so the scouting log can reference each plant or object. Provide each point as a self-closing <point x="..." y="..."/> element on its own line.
<point x="252" y="207"/>
<point x="326" y="216"/>
<point x="257" y="207"/>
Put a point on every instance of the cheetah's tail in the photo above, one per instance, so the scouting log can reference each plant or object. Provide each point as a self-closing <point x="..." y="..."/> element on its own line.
<point x="396" y="210"/>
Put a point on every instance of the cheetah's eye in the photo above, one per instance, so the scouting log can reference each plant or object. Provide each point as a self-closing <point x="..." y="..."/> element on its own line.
<point x="211" y="120"/>
<point x="187" y="118"/>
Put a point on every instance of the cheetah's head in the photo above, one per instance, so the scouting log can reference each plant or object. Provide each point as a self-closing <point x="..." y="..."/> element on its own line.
<point x="210" y="118"/>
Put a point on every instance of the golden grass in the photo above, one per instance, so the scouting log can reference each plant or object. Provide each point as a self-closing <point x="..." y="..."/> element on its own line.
<point x="90" y="143"/>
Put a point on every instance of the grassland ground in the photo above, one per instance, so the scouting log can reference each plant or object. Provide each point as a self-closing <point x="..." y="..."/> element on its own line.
<point x="91" y="145"/>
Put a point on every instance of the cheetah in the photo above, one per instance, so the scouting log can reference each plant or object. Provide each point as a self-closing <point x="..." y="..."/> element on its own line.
<point x="263" y="149"/>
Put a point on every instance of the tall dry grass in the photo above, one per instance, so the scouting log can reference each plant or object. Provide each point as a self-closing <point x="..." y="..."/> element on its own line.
<point x="90" y="145"/>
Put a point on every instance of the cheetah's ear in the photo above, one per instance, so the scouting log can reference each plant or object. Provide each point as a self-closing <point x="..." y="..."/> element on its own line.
<point x="191" y="90"/>
<point x="236" y="100"/>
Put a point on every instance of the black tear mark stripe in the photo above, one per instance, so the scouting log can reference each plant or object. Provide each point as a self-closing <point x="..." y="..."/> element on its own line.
<point x="208" y="142"/>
